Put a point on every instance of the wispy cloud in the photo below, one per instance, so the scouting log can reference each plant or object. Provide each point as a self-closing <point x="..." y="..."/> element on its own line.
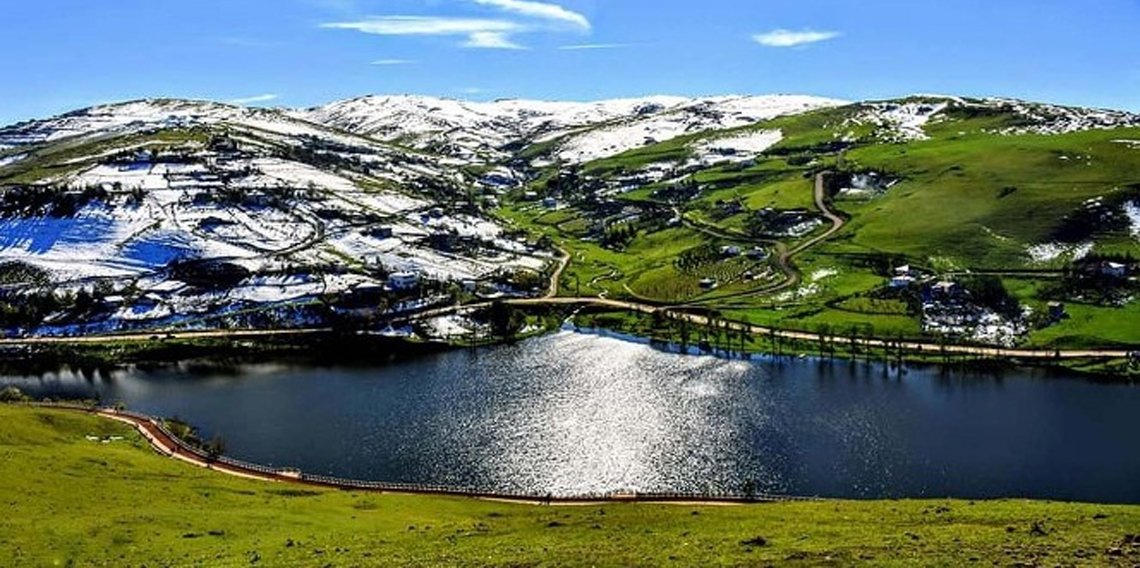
<point x="481" y="33"/>
<point x="491" y="40"/>
<point x="791" y="38"/>
<point x="539" y="10"/>
<point x="425" y="25"/>
<point x="254" y="100"/>
<point x="589" y="46"/>
<point x="393" y="62"/>
<point x="473" y="91"/>
<point x="517" y="17"/>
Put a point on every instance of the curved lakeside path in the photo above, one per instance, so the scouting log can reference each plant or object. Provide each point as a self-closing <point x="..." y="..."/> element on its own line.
<point x="163" y="442"/>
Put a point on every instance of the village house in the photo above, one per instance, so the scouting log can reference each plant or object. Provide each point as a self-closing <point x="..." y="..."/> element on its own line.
<point x="381" y="233"/>
<point x="903" y="281"/>
<point x="403" y="280"/>
<point x="1114" y="270"/>
<point x="946" y="289"/>
<point x="730" y="251"/>
<point x="758" y="254"/>
<point x="1057" y="311"/>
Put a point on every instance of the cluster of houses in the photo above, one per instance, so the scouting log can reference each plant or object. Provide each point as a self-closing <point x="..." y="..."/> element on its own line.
<point x="947" y="310"/>
<point x="793" y="223"/>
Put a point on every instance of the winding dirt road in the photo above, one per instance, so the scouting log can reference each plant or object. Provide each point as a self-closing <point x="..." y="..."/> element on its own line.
<point x="784" y="255"/>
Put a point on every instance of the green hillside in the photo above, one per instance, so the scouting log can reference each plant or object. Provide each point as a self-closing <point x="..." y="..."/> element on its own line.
<point x="1022" y="204"/>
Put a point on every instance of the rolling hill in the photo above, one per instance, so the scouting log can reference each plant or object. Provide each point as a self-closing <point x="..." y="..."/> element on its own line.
<point x="198" y="214"/>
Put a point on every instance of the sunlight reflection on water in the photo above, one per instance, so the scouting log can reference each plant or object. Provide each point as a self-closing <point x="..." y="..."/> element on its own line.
<point x="574" y="414"/>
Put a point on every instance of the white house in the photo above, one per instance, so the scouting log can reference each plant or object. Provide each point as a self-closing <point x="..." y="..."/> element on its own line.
<point x="901" y="281"/>
<point x="1114" y="269"/>
<point x="403" y="280"/>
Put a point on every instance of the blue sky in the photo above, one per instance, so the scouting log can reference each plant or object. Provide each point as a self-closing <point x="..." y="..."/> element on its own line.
<point x="65" y="54"/>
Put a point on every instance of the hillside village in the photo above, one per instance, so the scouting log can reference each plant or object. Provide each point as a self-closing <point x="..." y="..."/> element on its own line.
<point x="165" y="214"/>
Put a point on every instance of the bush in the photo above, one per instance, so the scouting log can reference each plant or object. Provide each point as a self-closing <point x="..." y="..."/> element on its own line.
<point x="13" y="394"/>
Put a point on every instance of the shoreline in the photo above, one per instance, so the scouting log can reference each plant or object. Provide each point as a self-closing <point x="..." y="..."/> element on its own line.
<point x="324" y="346"/>
<point x="165" y="443"/>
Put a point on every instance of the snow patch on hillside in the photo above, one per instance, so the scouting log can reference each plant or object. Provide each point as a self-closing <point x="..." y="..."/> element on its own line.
<point x="1053" y="119"/>
<point x="591" y="130"/>
<point x="1132" y="211"/>
<point x="703" y="115"/>
<point x="902" y="122"/>
<point x="280" y="173"/>
<point x="97" y="242"/>
<point x="153" y="115"/>
<point x="471" y="130"/>
<point x="1048" y="252"/>
<point x="737" y="148"/>
<point x="9" y="160"/>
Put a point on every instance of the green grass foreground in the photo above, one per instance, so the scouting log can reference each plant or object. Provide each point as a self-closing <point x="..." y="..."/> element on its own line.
<point x="68" y="501"/>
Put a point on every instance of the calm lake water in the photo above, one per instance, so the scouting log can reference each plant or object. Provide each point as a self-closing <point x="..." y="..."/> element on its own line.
<point x="572" y="414"/>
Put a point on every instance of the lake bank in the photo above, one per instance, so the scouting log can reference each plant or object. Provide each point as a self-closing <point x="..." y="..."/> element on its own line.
<point x="582" y="414"/>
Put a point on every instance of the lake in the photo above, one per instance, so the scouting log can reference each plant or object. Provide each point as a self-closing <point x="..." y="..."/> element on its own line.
<point x="574" y="413"/>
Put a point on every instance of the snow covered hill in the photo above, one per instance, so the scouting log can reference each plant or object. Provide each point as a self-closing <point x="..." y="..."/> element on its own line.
<point x="152" y="115"/>
<point x="581" y="131"/>
<point x="179" y="211"/>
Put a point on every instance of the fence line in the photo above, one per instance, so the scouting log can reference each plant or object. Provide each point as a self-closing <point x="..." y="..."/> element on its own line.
<point x="289" y="475"/>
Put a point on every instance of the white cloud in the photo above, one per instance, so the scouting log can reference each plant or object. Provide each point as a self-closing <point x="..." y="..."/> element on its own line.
<point x="790" y="38"/>
<point x="254" y="100"/>
<point x="393" y="62"/>
<point x="491" y="40"/>
<point x="425" y="25"/>
<point x="520" y="16"/>
<point x="481" y="33"/>
<point x="540" y="10"/>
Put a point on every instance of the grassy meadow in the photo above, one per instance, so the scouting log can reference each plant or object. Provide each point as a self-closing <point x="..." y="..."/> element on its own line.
<point x="70" y="501"/>
<point x="966" y="200"/>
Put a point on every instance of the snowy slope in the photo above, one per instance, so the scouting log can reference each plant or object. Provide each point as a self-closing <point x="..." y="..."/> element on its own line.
<point x="582" y="130"/>
<point x="151" y="115"/>
<point x="691" y="117"/>
<point x="905" y="121"/>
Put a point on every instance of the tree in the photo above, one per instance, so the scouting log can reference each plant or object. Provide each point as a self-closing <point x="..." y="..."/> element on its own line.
<point x="215" y="447"/>
<point x="13" y="394"/>
<point x="505" y="320"/>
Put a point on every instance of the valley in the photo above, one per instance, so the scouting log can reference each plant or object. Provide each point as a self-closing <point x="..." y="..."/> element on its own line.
<point x="938" y="221"/>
